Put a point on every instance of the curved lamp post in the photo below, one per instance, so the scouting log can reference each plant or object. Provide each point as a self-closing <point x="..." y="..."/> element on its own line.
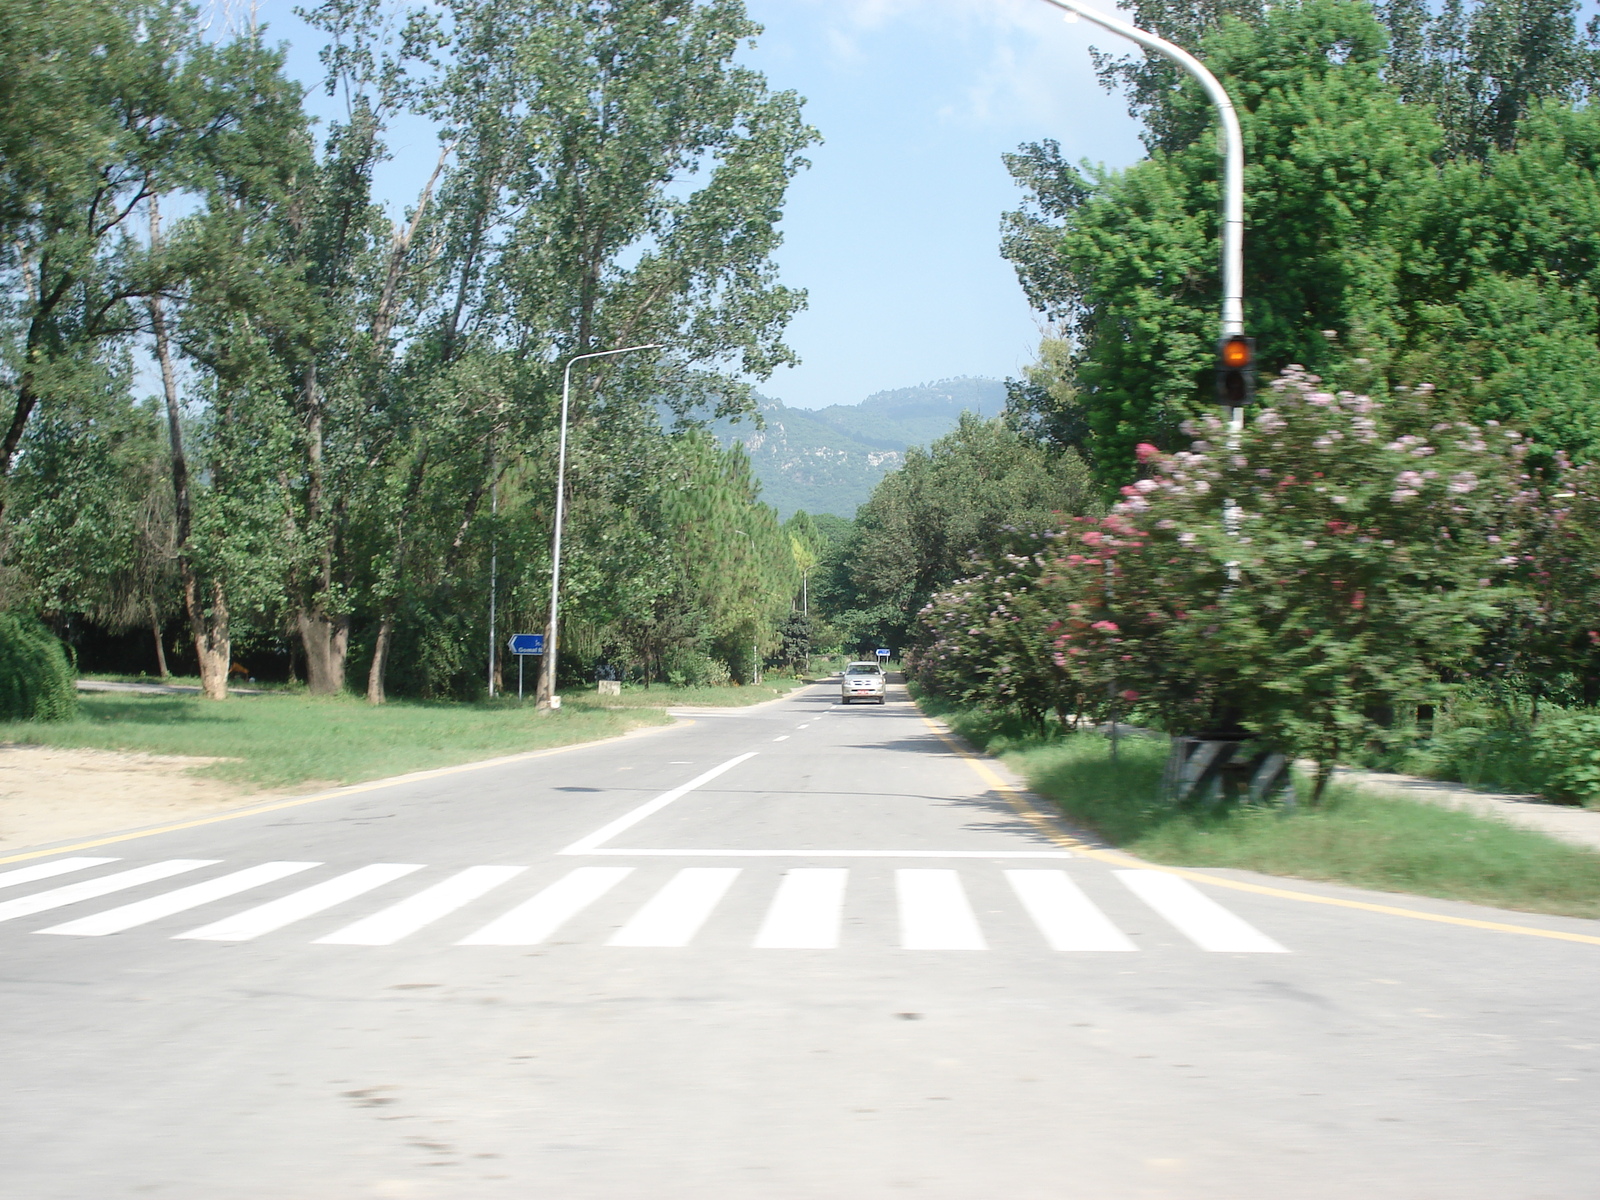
<point x="547" y="676"/>
<point x="1233" y="153"/>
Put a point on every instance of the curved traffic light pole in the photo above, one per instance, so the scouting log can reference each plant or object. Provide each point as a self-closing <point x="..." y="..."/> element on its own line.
<point x="1233" y="155"/>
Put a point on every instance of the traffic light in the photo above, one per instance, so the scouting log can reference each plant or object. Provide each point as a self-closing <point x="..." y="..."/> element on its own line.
<point x="1236" y="370"/>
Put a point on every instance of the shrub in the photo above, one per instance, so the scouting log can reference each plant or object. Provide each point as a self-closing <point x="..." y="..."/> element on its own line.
<point x="37" y="683"/>
<point x="694" y="668"/>
<point x="1567" y="746"/>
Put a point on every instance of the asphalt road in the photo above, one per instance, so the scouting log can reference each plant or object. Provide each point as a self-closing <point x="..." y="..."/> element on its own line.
<point x="791" y="952"/>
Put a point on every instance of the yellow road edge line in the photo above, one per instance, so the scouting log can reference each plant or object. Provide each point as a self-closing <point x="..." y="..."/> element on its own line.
<point x="1025" y="808"/>
<point x="354" y="789"/>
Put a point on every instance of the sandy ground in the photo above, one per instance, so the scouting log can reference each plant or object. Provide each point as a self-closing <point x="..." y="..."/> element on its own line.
<point x="49" y="795"/>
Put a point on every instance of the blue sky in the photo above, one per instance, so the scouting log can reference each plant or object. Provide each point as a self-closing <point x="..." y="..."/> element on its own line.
<point x="894" y="230"/>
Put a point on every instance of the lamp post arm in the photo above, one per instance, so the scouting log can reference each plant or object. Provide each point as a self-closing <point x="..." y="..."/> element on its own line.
<point x="1233" y="154"/>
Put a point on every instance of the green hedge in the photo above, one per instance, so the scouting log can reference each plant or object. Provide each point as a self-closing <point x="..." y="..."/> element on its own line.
<point x="37" y="683"/>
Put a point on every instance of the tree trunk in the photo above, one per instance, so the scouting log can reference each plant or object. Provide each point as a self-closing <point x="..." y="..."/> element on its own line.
<point x="1324" y="774"/>
<point x="212" y="645"/>
<point x="380" y="660"/>
<point x="155" y="630"/>
<point x="327" y="644"/>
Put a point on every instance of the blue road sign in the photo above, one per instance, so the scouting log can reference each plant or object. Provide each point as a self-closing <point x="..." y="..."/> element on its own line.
<point x="883" y="653"/>
<point x="527" y="643"/>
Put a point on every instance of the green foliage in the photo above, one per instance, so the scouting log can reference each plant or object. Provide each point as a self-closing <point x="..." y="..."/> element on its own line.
<point x="1303" y="580"/>
<point x="1426" y="211"/>
<point x="1484" y="65"/>
<point x="1355" y="837"/>
<point x="1566" y="746"/>
<point x="36" y="681"/>
<point x="364" y="406"/>
<point x="982" y="490"/>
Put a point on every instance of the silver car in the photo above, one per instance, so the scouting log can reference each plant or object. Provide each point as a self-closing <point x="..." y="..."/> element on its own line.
<point x="862" y="681"/>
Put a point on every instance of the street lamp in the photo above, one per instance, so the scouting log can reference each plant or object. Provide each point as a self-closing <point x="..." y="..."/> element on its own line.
<point x="755" y="624"/>
<point x="1233" y="155"/>
<point x="546" y="696"/>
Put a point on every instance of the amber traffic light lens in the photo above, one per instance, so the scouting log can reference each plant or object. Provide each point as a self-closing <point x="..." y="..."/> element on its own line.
<point x="1236" y="352"/>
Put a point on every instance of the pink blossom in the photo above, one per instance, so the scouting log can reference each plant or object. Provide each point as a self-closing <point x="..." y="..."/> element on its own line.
<point x="1144" y="451"/>
<point x="1106" y="627"/>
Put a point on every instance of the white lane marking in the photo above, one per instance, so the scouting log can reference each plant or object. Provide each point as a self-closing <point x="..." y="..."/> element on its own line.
<point x="1197" y="916"/>
<point x="934" y="913"/>
<point x="930" y="854"/>
<point x="427" y="906"/>
<point x="532" y="921"/>
<point x="807" y="725"/>
<point x="605" y="833"/>
<point x="674" y="914"/>
<point x="49" y="870"/>
<point x="275" y="914"/>
<point x="806" y="910"/>
<point x="90" y="888"/>
<point x="142" y="912"/>
<point x="1068" y="919"/>
<point x="784" y="738"/>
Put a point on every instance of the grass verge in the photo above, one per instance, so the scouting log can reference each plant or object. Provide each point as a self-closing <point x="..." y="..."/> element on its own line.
<point x="289" y="740"/>
<point x="1357" y="837"/>
<point x="660" y="696"/>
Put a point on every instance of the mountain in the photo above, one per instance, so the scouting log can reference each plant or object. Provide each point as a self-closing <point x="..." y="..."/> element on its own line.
<point x="829" y="459"/>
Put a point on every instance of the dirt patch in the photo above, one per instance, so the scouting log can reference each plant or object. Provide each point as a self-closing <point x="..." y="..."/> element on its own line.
<point x="50" y="795"/>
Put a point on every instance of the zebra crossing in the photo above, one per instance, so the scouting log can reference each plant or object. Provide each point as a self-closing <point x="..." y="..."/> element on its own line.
<point x="805" y="910"/>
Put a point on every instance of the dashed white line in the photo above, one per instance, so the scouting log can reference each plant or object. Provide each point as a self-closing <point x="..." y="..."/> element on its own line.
<point x="605" y="833"/>
<point x="784" y="738"/>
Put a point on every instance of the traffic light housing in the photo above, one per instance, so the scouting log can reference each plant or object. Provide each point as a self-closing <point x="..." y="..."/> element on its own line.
<point x="1236" y="371"/>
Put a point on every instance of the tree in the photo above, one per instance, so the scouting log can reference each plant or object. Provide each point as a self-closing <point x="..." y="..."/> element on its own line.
<point x="1486" y="66"/>
<point x="978" y="492"/>
<point x="1129" y="259"/>
<point x="107" y="104"/>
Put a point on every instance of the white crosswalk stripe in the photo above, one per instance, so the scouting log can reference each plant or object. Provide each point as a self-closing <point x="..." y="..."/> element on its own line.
<point x="532" y="921"/>
<point x="934" y="912"/>
<point x="804" y="908"/>
<point x="1068" y="919"/>
<point x="1197" y="916"/>
<point x="142" y="912"/>
<point x="674" y="914"/>
<point x="49" y="870"/>
<point x="296" y="906"/>
<point x="91" y="889"/>
<point x="427" y="906"/>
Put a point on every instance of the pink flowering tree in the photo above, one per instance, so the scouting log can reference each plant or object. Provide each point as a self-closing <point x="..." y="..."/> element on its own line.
<point x="990" y="639"/>
<point x="1303" y="577"/>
